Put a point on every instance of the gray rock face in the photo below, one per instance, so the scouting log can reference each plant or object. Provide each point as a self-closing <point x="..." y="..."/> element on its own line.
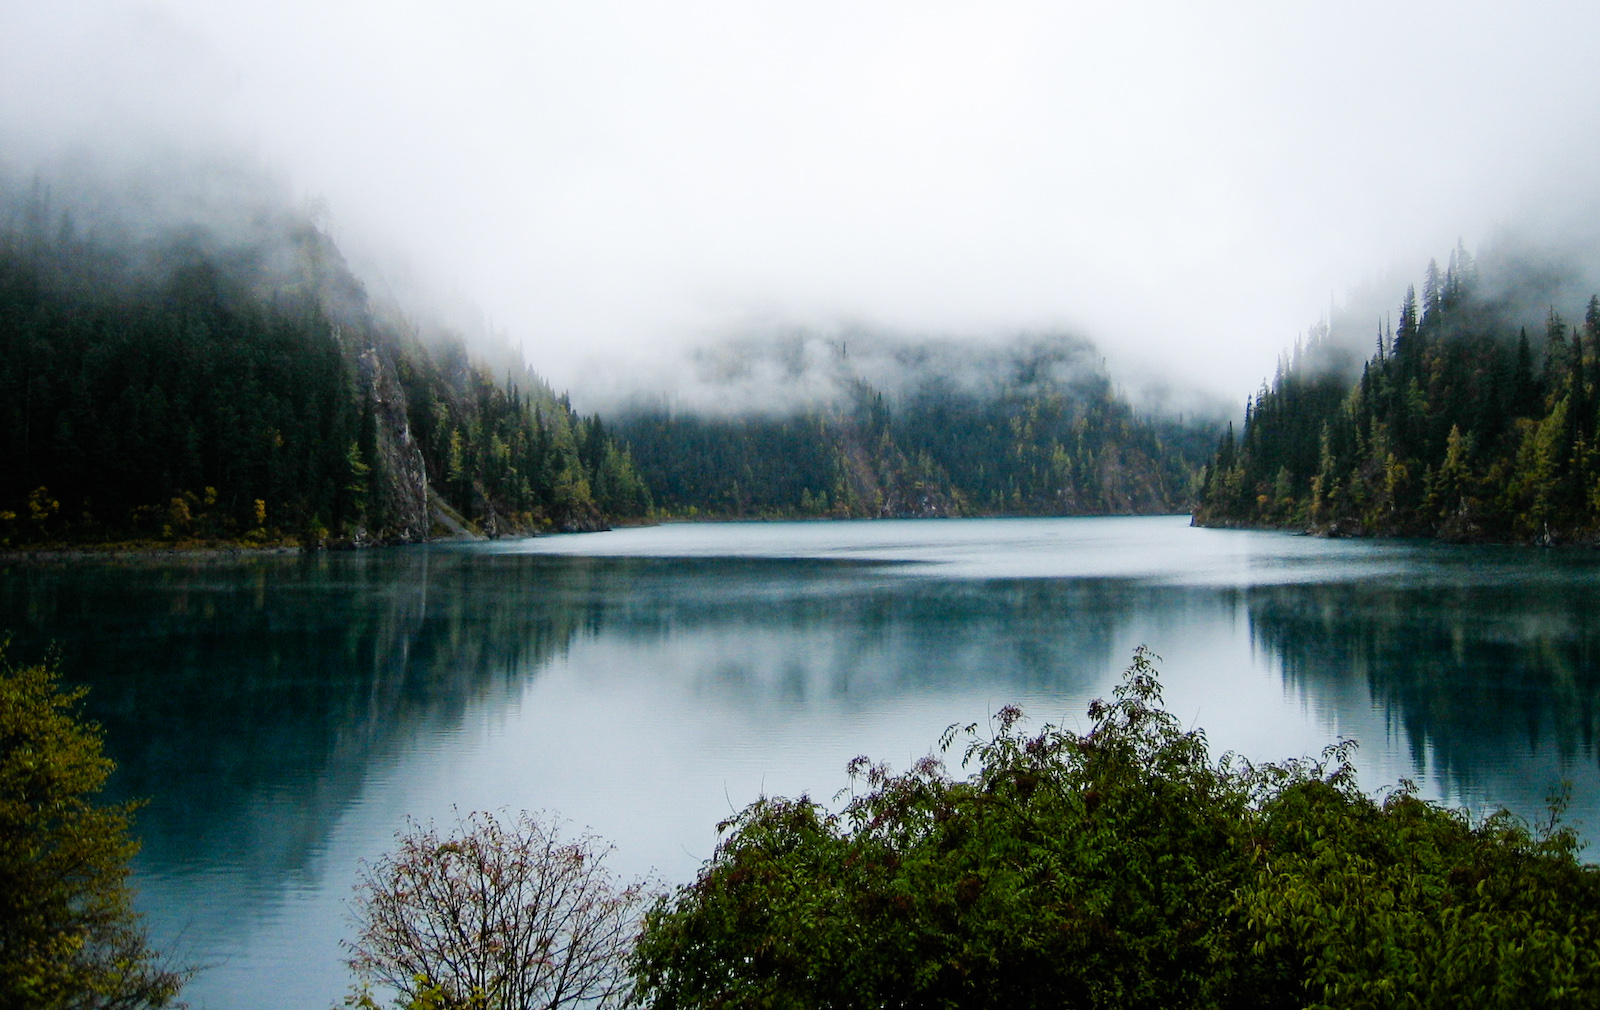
<point x="448" y="520"/>
<point x="406" y="509"/>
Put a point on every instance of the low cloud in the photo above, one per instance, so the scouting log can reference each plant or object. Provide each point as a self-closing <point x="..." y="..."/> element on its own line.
<point x="616" y="182"/>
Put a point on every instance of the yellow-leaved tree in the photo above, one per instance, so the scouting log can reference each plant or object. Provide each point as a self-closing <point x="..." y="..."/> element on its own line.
<point x="69" y="937"/>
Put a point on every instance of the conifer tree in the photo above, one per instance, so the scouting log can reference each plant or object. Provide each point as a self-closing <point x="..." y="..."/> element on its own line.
<point x="1524" y="395"/>
<point x="1405" y="335"/>
<point x="1431" y="293"/>
<point x="1450" y="431"/>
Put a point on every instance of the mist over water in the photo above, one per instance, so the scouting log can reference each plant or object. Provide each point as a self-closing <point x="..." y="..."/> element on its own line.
<point x="753" y="209"/>
<point x="284" y="715"/>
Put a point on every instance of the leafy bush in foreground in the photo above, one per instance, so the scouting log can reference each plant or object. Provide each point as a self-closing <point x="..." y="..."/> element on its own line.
<point x="69" y="937"/>
<point x="1122" y="867"/>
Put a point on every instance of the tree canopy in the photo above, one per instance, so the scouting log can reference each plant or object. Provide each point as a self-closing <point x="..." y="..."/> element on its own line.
<point x="69" y="937"/>
<point x="1029" y="427"/>
<point x="499" y="914"/>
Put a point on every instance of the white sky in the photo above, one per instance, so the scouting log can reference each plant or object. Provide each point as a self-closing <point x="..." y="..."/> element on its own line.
<point x="1185" y="183"/>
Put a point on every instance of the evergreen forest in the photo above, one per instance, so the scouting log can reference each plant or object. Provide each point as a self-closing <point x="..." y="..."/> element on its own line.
<point x="1461" y="425"/>
<point x="181" y="389"/>
<point x="178" y="388"/>
<point x="1031" y="427"/>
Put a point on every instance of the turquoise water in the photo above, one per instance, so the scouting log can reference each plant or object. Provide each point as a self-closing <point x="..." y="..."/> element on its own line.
<point x="285" y="714"/>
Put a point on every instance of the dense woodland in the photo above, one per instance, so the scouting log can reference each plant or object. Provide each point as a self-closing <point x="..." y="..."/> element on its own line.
<point x="181" y="389"/>
<point x="1461" y="425"/>
<point x="1032" y="428"/>
<point x="178" y="388"/>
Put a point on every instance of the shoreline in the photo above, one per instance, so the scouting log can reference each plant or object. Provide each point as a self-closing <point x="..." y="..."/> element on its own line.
<point x="226" y="551"/>
<point x="128" y="552"/>
<point x="135" y="550"/>
<point x="1465" y="538"/>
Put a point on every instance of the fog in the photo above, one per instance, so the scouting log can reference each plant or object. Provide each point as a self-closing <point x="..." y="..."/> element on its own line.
<point x="613" y="184"/>
<point x="771" y="371"/>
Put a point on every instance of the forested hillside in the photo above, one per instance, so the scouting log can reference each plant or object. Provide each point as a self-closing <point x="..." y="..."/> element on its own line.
<point x="1033" y="427"/>
<point x="174" y="385"/>
<point x="182" y="388"/>
<point x="1461" y="426"/>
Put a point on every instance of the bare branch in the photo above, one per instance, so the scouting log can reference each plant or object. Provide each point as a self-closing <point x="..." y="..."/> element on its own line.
<point x="502" y="913"/>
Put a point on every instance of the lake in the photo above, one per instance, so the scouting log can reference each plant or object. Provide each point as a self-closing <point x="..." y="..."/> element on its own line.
<point x="285" y="714"/>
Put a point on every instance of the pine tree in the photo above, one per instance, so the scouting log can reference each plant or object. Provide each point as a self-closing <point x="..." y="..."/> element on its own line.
<point x="1431" y="292"/>
<point x="1556" y="365"/>
<point x="1405" y="335"/>
<point x="1467" y="439"/>
<point x="1525" y="392"/>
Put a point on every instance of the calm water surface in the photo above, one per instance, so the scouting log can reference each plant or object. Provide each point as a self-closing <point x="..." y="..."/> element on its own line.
<point x="284" y="715"/>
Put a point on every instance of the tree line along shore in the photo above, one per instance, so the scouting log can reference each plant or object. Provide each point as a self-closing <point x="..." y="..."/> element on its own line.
<point x="183" y="391"/>
<point x="180" y="392"/>
<point x="1461" y="425"/>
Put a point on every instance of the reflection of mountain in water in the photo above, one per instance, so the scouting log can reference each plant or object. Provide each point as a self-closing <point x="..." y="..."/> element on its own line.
<point x="1494" y="683"/>
<point x="251" y="699"/>
<point x="801" y="632"/>
<point x="270" y="706"/>
<point x="248" y="700"/>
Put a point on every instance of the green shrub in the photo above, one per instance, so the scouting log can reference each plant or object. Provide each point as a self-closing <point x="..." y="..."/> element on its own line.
<point x="1123" y="867"/>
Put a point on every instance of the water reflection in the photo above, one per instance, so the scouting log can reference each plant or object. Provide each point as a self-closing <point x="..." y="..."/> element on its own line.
<point x="283" y="713"/>
<point x="221" y="685"/>
<point x="784" y="631"/>
<point x="1495" y="688"/>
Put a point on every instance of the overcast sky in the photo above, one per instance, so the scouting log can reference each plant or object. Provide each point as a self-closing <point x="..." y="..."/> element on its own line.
<point x="1185" y="183"/>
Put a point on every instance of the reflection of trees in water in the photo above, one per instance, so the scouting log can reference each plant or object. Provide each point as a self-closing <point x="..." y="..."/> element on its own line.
<point x="249" y="699"/>
<point x="1484" y="675"/>
<point x="802" y="631"/>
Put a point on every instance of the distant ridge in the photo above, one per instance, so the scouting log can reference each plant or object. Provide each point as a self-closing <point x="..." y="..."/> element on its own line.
<point x="919" y="428"/>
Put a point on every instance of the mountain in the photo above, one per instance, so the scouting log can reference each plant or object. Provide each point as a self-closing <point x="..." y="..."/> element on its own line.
<point x="897" y="427"/>
<point x="1459" y="426"/>
<point x="237" y="384"/>
<point x="182" y="386"/>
